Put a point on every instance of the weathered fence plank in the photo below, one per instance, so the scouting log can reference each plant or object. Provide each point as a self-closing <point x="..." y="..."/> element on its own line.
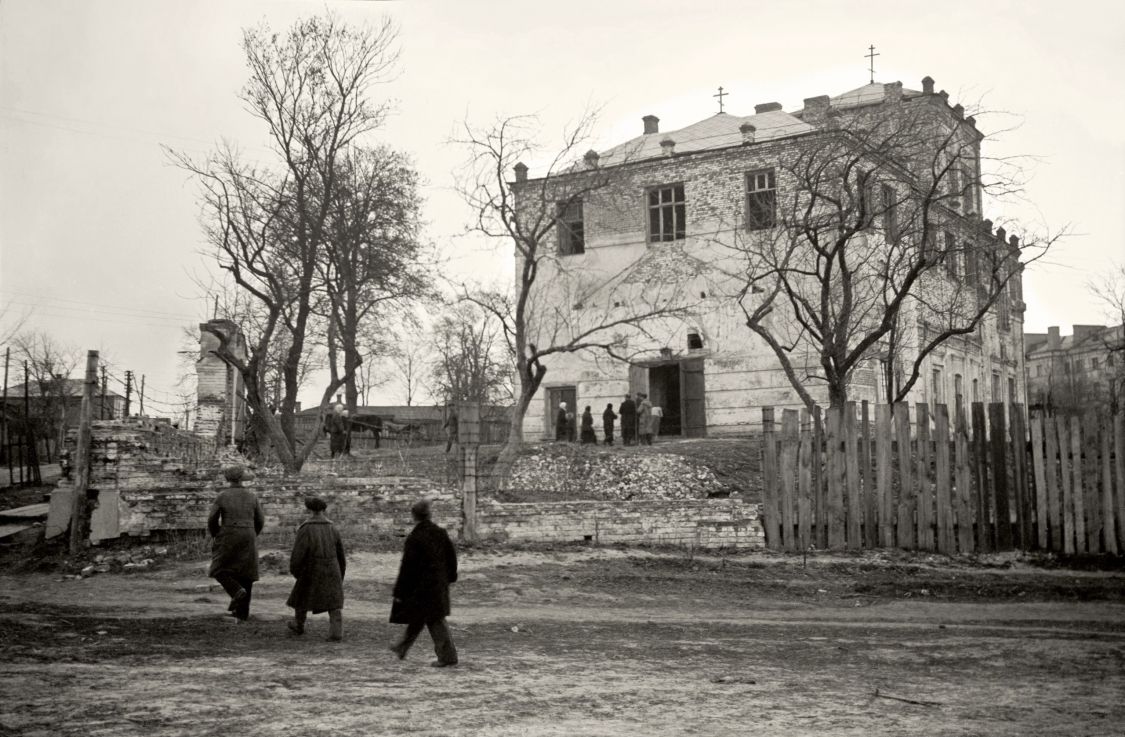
<point x="998" y="436"/>
<point x="805" y="484"/>
<point x="853" y="509"/>
<point x="1021" y="496"/>
<point x="770" y="521"/>
<point x="1076" y="490"/>
<point x="820" y="480"/>
<point x="1066" y="478"/>
<point x="905" y="511"/>
<point x="870" y="500"/>
<point x="789" y="442"/>
<point x="1041" y="531"/>
<point x="943" y="502"/>
<point x="963" y="479"/>
<point x="981" y="482"/>
<point x="883" y="443"/>
<point x="1091" y="467"/>
<point x="1119" y="467"/>
<point x="925" y="494"/>
<point x="837" y="473"/>
<point x="1054" y="492"/>
<point x="1109" y="524"/>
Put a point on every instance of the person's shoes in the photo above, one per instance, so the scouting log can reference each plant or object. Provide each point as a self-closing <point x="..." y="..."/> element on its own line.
<point x="236" y="600"/>
<point x="442" y="663"/>
<point x="399" y="650"/>
<point x="297" y="629"/>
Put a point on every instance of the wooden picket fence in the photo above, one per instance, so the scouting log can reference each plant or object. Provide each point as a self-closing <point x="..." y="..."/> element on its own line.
<point x="991" y="481"/>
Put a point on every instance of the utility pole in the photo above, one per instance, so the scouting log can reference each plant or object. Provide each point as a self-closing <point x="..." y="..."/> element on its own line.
<point x="82" y="451"/>
<point x="105" y="386"/>
<point x="128" y="391"/>
<point x="142" y="396"/>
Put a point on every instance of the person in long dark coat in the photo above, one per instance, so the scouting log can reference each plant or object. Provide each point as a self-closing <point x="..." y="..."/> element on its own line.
<point x="562" y="425"/>
<point x="335" y="426"/>
<point x="644" y="420"/>
<point x="607" y="423"/>
<point x="421" y="593"/>
<point x="588" y="428"/>
<point x="318" y="564"/>
<point x="628" y="411"/>
<point x="234" y="522"/>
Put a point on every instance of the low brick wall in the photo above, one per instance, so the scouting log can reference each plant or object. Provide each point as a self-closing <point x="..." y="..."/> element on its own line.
<point x="705" y="523"/>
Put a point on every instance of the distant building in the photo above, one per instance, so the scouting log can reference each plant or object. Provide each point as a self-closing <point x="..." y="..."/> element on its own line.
<point x="66" y="395"/>
<point x="1077" y="372"/>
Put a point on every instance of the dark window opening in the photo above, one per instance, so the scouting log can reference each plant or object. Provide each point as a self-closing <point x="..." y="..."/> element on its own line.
<point x="951" y="256"/>
<point x="572" y="229"/>
<point x="694" y="342"/>
<point x="890" y="218"/>
<point x="667" y="213"/>
<point x="761" y="200"/>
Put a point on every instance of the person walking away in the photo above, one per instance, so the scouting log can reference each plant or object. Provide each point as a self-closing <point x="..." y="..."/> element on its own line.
<point x="421" y="592"/>
<point x="335" y="428"/>
<point x="562" y="429"/>
<point x="318" y="564"/>
<point x="588" y="436"/>
<point x="450" y="426"/>
<point x="628" y="411"/>
<point x="607" y="423"/>
<point x="234" y="522"/>
<point x="644" y="419"/>
<point x="657" y="415"/>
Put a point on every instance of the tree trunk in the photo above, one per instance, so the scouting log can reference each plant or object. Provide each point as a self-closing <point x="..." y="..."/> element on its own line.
<point x="529" y="384"/>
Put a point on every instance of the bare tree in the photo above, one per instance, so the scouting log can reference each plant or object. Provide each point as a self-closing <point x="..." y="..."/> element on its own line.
<point x="1110" y="290"/>
<point x="11" y="321"/>
<point x="50" y="365"/>
<point x="471" y="361"/>
<point x="553" y="308"/>
<point x="867" y="247"/>
<point x="410" y="362"/>
<point x="269" y="224"/>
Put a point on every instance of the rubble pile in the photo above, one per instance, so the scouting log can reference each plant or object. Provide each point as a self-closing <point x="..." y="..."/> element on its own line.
<point x="568" y="473"/>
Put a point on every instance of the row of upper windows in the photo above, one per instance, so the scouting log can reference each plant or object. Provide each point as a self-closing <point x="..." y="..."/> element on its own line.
<point x="667" y="212"/>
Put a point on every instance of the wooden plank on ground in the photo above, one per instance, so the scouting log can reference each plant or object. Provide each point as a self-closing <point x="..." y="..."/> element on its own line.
<point x="963" y="475"/>
<point x="1067" y="497"/>
<point x="1077" y="492"/>
<point x="789" y="442"/>
<point x="904" y="527"/>
<point x="770" y="519"/>
<point x="837" y="471"/>
<point x="925" y="489"/>
<point x="804" y="483"/>
<point x="883" y="442"/>
<point x="1054" y="493"/>
<point x="853" y="508"/>
<point x="1119" y="467"/>
<point x="1037" y="463"/>
<point x="980" y="481"/>
<point x="1109" y="525"/>
<point x="998" y="436"/>
<point x="870" y="500"/>
<point x="1017" y="432"/>
<point x="943" y="502"/>
<point x="820" y="473"/>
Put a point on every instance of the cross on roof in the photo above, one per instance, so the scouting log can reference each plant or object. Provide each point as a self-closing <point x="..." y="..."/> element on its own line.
<point x="871" y="54"/>
<point x="721" y="95"/>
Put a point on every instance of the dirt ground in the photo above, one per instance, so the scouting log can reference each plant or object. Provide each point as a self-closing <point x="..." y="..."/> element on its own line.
<point x="580" y="641"/>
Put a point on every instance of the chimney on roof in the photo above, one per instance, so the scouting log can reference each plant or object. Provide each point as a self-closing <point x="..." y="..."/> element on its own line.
<point x="1014" y="241"/>
<point x="1001" y="234"/>
<point x="747" y="130"/>
<point x="521" y="171"/>
<point x="766" y="107"/>
<point x="816" y="110"/>
<point x="652" y="124"/>
<point x="959" y="110"/>
<point x="927" y="85"/>
<point x="892" y="91"/>
<point x="668" y="146"/>
<point x="944" y="96"/>
<point x="1053" y="340"/>
<point x="591" y="159"/>
<point x="971" y="121"/>
<point x="987" y="225"/>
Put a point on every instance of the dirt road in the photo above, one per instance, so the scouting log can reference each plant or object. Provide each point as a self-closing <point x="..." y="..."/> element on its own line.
<point x="580" y="642"/>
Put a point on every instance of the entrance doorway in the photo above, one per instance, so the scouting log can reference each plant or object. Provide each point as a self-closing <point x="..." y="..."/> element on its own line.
<point x="677" y="387"/>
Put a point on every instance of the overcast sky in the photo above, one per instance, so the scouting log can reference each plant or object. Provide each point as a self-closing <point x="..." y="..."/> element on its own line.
<point x="99" y="235"/>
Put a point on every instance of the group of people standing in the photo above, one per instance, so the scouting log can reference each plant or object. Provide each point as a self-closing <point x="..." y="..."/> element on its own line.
<point x="640" y="421"/>
<point x="421" y="591"/>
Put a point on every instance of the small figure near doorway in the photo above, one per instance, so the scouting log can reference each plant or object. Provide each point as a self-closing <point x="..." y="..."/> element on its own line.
<point x="562" y="430"/>
<point x="644" y="419"/>
<point x="608" y="418"/>
<point x="588" y="436"/>
<point x="628" y="412"/>
<point x="657" y="415"/>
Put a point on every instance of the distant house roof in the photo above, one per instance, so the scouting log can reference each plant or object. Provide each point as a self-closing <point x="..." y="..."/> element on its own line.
<point x="72" y="388"/>
<point x="1086" y="336"/>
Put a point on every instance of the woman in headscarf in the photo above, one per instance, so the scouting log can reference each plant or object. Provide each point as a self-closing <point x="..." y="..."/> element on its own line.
<point x="562" y="429"/>
<point x="588" y="427"/>
<point x="235" y="520"/>
<point x="318" y="565"/>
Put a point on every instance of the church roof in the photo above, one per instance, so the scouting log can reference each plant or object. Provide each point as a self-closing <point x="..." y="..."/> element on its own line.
<point x="718" y="131"/>
<point x="865" y="95"/>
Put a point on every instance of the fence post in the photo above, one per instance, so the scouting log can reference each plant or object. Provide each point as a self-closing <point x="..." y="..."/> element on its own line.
<point x="853" y="508"/>
<point x="819" y="479"/>
<point x="1091" y="482"/>
<point x="468" y="441"/>
<point x="980" y="464"/>
<point x="942" y="486"/>
<point x="883" y="442"/>
<point x="1054" y="495"/>
<point x="769" y="475"/>
<point x="1018" y="433"/>
<point x="836" y="476"/>
<point x="787" y="476"/>
<point x="82" y="454"/>
<point x="1076" y="484"/>
<point x="804" y="483"/>
<point x="925" y="489"/>
<point x="963" y="480"/>
<point x="998" y="437"/>
<point x="905" y="537"/>
<point x="1040" y="481"/>
<point x="869" y="500"/>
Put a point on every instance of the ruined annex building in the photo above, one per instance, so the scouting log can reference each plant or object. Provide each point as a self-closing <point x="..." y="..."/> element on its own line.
<point x="689" y="217"/>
